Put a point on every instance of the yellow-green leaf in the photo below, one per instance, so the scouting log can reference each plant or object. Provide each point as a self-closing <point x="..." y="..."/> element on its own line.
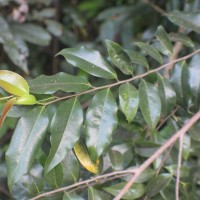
<point x="26" y="99"/>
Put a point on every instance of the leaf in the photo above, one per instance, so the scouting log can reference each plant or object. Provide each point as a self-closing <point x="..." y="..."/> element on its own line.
<point x="26" y="99"/>
<point x="90" y="61"/>
<point x="186" y="20"/>
<point x="151" y="51"/>
<point x="135" y="191"/>
<point x="61" y="81"/>
<point x="94" y="194"/>
<point x="156" y="184"/>
<point x="184" y="170"/>
<point x="181" y="37"/>
<point x="167" y="95"/>
<point x="137" y="58"/>
<point x="119" y="57"/>
<point x="162" y="36"/>
<point x="65" y="132"/>
<point x="84" y="158"/>
<point x="55" y="177"/>
<point x="120" y="156"/>
<point x="8" y="105"/>
<point x="101" y="120"/>
<point x="128" y="100"/>
<point x="25" y="142"/>
<point x="54" y="27"/>
<point x="150" y="104"/>
<point x="13" y="83"/>
<point x="70" y="196"/>
<point x="32" y="33"/>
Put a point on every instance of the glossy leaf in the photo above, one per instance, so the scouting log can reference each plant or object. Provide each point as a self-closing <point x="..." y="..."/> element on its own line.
<point x="84" y="158"/>
<point x="26" y="99"/>
<point x="156" y="184"/>
<point x="25" y="142"/>
<point x="90" y="61"/>
<point x="137" y="58"/>
<point x="8" y="105"/>
<point x="32" y="33"/>
<point x="61" y="81"/>
<point x="128" y="100"/>
<point x="120" y="156"/>
<point x="68" y="117"/>
<point x="13" y="83"/>
<point x="135" y="191"/>
<point x="151" y="51"/>
<point x="163" y="38"/>
<point x="94" y="194"/>
<point x="167" y="95"/>
<point x="119" y="57"/>
<point x="71" y="168"/>
<point x="150" y="103"/>
<point x="181" y="37"/>
<point x="185" y="20"/>
<point x="101" y="120"/>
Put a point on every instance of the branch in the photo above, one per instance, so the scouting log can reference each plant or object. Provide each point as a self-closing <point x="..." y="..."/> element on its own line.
<point x="155" y="7"/>
<point x="124" y="81"/>
<point x="157" y="153"/>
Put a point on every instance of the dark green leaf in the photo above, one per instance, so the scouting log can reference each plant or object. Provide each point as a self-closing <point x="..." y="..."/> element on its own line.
<point x="135" y="191"/>
<point x="186" y="150"/>
<point x="156" y="184"/>
<point x="172" y="169"/>
<point x="151" y="51"/>
<point x="94" y="194"/>
<point x="129" y="100"/>
<point x="119" y="57"/>
<point x="167" y="95"/>
<point x="185" y="20"/>
<point x="181" y="37"/>
<point x="32" y="33"/>
<point x="120" y="156"/>
<point x="55" y="176"/>
<point x="137" y="58"/>
<point x="61" y="81"/>
<point x="65" y="132"/>
<point x="150" y="103"/>
<point x="101" y="120"/>
<point x="90" y="61"/>
<point x="163" y="38"/>
<point x="27" y="138"/>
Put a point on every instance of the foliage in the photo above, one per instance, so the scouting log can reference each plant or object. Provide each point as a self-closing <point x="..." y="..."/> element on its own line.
<point x="109" y="110"/>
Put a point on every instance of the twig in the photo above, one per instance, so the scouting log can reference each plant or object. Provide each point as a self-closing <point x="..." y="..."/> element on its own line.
<point x="155" y="7"/>
<point x="180" y="150"/>
<point x="124" y="81"/>
<point x="157" y="153"/>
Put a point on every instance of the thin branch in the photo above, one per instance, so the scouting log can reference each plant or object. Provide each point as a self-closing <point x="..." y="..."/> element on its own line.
<point x="157" y="153"/>
<point x="87" y="182"/>
<point x="125" y="81"/>
<point x="180" y="150"/>
<point x="155" y="7"/>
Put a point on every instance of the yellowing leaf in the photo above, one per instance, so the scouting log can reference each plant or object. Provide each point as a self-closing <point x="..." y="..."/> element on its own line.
<point x="83" y="156"/>
<point x="26" y="99"/>
<point x="13" y="83"/>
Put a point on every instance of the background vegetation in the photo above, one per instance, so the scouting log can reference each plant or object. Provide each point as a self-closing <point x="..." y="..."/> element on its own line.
<point x="117" y="85"/>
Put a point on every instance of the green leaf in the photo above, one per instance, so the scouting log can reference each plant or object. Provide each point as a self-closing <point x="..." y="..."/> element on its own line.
<point x="90" y="61"/>
<point x="65" y="131"/>
<point x="137" y="58"/>
<point x="55" y="177"/>
<point x="13" y="83"/>
<point x="151" y="51"/>
<point x="69" y="196"/>
<point x="61" y="81"/>
<point x="94" y="194"/>
<point x="128" y="100"/>
<point x="25" y="142"/>
<point x="101" y="120"/>
<point x="150" y="103"/>
<point x="119" y="57"/>
<point x="167" y="95"/>
<point x="71" y="168"/>
<point x="186" y="20"/>
<point x="120" y="156"/>
<point x="135" y="191"/>
<point x="163" y="38"/>
<point x="54" y="27"/>
<point x="156" y="184"/>
<point x="32" y="33"/>
<point x="181" y="37"/>
<point x="184" y="170"/>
